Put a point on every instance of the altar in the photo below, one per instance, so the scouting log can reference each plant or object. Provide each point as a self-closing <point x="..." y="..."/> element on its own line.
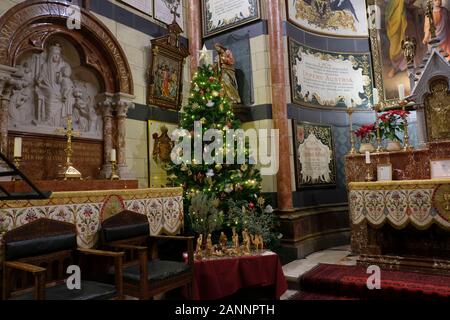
<point x="86" y="209"/>
<point x="402" y="220"/>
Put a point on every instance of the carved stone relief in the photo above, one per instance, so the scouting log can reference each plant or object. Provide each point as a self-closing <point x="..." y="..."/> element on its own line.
<point x="54" y="86"/>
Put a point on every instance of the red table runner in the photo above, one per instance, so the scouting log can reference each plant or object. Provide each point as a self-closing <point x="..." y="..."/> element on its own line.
<point x="219" y="278"/>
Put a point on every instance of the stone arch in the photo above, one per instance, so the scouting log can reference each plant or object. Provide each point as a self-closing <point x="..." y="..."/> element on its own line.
<point x="28" y="26"/>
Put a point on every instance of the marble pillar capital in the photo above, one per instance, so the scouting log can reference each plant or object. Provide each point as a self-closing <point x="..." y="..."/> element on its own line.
<point x="123" y="102"/>
<point x="105" y="103"/>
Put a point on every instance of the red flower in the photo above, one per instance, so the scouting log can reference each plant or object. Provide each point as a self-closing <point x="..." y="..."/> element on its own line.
<point x="365" y="130"/>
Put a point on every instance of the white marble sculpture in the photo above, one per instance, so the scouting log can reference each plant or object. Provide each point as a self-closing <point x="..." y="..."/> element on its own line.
<point x="49" y="93"/>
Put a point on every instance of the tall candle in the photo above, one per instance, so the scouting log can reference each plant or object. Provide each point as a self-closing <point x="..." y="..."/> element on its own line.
<point x="17" y="147"/>
<point x="113" y="155"/>
<point x="348" y="102"/>
<point x="367" y="157"/>
<point x="375" y="96"/>
<point x="401" y="91"/>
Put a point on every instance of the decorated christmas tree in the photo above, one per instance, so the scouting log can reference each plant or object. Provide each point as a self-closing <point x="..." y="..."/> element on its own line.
<point x="208" y="106"/>
<point x="223" y="180"/>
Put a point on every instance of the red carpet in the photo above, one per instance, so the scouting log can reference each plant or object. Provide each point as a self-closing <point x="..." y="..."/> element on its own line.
<point x="329" y="282"/>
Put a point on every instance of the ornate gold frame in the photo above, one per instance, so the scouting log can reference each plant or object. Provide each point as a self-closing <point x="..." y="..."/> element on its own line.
<point x="297" y="165"/>
<point x="231" y="25"/>
<point x="329" y="35"/>
<point x="169" y="47"/>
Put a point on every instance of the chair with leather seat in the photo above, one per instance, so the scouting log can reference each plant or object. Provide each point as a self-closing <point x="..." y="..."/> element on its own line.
<point x="144" y="273"/>
<point x="36" y="257"/>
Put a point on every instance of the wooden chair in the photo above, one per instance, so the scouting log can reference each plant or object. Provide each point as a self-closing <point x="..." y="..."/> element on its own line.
<point x="144" y="274"/>
<point x="36" y="257"/>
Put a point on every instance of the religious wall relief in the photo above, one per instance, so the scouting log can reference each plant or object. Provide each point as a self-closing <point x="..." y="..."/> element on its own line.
<point x="437" y="110"/>
<point x="55" y="85"/>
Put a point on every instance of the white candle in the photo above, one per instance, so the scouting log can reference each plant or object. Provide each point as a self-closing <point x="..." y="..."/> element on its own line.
<point x="348" y="102"/>
<point x="367" y="157"/>
<point x="113" y="155"/>
<point x="17" y="147"/>
<point x="375" y="96"/>
<point x="401" y="92"/>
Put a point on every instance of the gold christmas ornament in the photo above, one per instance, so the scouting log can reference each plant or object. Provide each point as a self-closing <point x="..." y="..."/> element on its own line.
<point x="215" y="93"/>
<point x="218" y="167"/>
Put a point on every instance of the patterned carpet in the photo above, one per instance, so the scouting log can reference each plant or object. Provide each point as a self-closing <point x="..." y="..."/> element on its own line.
<point x="338" y="282"/>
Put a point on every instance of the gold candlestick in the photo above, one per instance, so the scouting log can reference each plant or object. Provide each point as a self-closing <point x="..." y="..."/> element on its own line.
<point x="352" y="138"/>
<point x="69" y="171"/>
<point x="406" y="145"/>
<point x="377" y="108"/>
<point x="114" y="175"/>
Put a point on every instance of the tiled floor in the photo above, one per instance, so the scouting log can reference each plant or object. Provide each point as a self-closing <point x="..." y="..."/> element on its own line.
<point x="336" y="255"/>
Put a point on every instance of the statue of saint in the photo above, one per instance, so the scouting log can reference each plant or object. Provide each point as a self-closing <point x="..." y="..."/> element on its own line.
<point x="227" y="73"/>
<point x="50" y="101"/>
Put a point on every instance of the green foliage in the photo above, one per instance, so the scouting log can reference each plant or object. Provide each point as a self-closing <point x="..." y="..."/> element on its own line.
<point x="392" y="124"/>
<point x="204" y="215"/>
<point x="256" y="218"/>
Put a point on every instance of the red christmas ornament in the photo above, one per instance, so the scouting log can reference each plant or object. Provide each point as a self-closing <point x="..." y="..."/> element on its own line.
<point x="251" y="205"/>
<point x="212" y="79"/>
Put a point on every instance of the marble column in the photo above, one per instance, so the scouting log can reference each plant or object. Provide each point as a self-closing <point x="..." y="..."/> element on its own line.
<point x="194" y="32"/>
<point x="279" y="107"/>
<point x="122" y="104"/>
<point x="106" y="105"/>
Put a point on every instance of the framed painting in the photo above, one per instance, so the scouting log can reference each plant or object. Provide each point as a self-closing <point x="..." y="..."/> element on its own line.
<point x="391" y="22"/>
<point x="219" y="15"/>
<point x="329" y="79"/>
<point x="315" y="164"/>
<point x="338" y="18"/>
<point x="165" y="72"/>
<point x="144" y="6"/>
<point x="164" y="11"/>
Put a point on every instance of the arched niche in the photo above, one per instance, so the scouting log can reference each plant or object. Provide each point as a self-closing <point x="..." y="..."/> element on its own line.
<point x="27" y="27"/>
<point x="97" y="64"/>
<point x="78" y="84"/>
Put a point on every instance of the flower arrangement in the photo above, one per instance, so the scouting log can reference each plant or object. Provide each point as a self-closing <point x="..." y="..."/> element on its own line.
<point x="392" y="123"/>
<point x="366" y="133"/>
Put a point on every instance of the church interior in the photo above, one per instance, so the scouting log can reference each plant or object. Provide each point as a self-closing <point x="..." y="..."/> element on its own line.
<point x="225" y="150"/>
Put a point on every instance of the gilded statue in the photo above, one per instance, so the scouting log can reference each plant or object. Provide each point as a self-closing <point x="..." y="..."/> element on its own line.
<point x="198" y="251"/>
<point x="223" y="240"/>
<point x="226" y="69"/>
<point x="245" y="242"/>
<point x="235" y="239"/>
<point x="209" y="246"/>
<point x="256" y="241"/>
<point x="409" y="47"/>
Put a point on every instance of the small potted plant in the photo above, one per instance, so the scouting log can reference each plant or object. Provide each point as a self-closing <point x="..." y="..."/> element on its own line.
<point x="392" y="127"/>
<point x="366" y="134"/>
